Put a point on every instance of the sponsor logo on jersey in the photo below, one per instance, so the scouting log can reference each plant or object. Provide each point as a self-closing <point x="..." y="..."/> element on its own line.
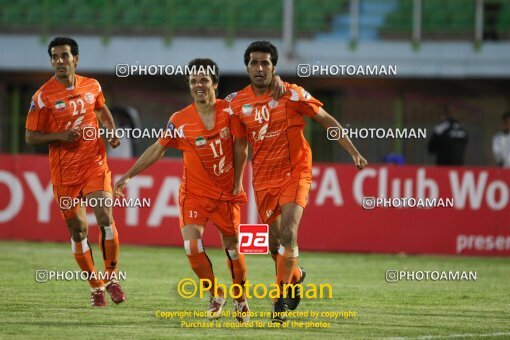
<point x="247" y="109"/>
<point x="60" y="105"/>
<point x="224" y="133"/>
<point x="219" y="168"/>
<point x="200" y="141"/>
<point x="261" y="134"/>
<point x="89" y="98"/>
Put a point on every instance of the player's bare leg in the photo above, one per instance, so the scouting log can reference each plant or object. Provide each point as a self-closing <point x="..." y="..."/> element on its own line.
<point x="274" y="241"/>
<point x="274" y="246"/>
<point x="202" y="266"/>
<point x="288" y="253"/>
<point x="78" y="228"/>
<point x="109" y="244"/>
<point x="237" y="267"/>
<point x="291" y="217"/>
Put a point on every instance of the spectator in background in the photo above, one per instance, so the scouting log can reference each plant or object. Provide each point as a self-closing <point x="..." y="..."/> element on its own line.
<point x="449" y="140"/>
<point x="501" y="143"/>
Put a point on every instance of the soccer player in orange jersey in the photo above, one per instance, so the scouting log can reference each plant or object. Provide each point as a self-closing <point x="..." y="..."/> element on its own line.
<point x="282" y="159"/>
<point x="202" y="131"/>
<point x="59" y="111"/>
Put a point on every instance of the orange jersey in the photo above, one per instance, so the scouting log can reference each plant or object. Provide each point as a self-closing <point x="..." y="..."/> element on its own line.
<point x="207" y="154"/>
<point x="275" y="132"/>
<point x="55" y="108"/>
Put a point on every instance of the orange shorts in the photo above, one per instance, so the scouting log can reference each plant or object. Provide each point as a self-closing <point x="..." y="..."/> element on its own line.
<point x="270" y="200"/>
<point x="64" y="195"/>
<point x="198" y="210"/>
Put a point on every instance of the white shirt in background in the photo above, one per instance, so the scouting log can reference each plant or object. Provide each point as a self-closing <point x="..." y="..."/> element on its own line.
<point x="501" y="148"/>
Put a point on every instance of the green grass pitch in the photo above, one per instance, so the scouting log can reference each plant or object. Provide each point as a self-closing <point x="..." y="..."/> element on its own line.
<point x="407" y="309"/>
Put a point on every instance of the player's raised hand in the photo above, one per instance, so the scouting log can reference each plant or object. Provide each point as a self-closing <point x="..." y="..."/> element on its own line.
<point x="277" y="87"/>
<point x="71" y="135"/>
<point x="119" y="187"/>
<point x="359" y="161"/>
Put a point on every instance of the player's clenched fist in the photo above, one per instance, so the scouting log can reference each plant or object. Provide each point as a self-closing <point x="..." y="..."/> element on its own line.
<point x="359" y="161"/>
<point x="238" y="189"/>
<point x="71" y="135"/>
<point x="114" y="142"/>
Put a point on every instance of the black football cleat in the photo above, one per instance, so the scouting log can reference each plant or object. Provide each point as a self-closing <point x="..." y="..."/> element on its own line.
<point x="292" y="302"/>
<point x="279" y="311"/>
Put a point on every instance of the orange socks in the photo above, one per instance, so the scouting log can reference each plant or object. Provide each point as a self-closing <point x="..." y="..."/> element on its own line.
<point x="201" y="264"/>
<point x="237" y="267"/>
<point x="109" y="245"/>
<point x="83" y="255"/>
<point x="296" y="273"/>
<point x="286" y="263"/>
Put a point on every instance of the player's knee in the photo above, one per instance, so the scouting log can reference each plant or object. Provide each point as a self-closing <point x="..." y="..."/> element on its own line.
<point x="78" y="230"/>
<point x="193" y="247"/>
<point x="229" y="242"/>
<point x="289" y="239"/>
<point x="274" y="243"/>
<point x="104" y="219"/>
<point x="79" y="235"/>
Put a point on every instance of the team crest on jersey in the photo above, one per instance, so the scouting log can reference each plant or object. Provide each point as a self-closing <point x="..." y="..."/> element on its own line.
<point x="247" y="109"/>
<point x="89" y="98"/>
<point x="32" y="105"/>
<point x="273" y="104"/>
<point x="224" y="133"/>
<point x="305" y="94"/>
<point x="200" y="141"/>
<point x="231" y="96"/>
<point x="60" y="105"/>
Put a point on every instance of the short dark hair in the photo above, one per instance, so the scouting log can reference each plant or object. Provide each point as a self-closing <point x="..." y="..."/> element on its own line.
<point x="206" y="64"/>
<point x="261" y="46"/>
<point x="61" y="41"/>
<point x="505" y="116"/>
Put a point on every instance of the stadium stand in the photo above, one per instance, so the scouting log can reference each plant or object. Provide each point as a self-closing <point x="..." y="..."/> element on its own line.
<point x="325" y="19"/>
<point x="142" y="16"/>
<point x="451" y="18"/>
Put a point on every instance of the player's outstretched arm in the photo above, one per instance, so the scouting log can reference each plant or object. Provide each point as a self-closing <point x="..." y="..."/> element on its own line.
<point x="149" y="157"/>
<point x="105" y="117"/>
<point x="326" y="120"/>
<point x="38" y="138"/>
<point x="240" y="157"/>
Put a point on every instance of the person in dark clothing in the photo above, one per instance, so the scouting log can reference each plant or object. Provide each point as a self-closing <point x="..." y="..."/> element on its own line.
<point x="449" y="140"/>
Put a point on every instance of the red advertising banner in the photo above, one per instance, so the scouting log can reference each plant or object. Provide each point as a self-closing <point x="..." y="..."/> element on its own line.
<point x="389" y="209"/>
